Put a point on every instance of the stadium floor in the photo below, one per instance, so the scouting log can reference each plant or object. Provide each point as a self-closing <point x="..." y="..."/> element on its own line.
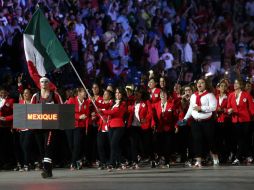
<point x="222" y="177"/>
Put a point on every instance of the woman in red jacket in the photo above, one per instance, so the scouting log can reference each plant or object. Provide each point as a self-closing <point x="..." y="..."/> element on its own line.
<point x="241" y="108"/>
<point x="249" y="87"/>
<point x="116" y="125"/>
<point x="223" y="129"/>
<point x="153" y="90"/>
<point x="25" y="135"/>
<point x="164" y="127"/>
<point x="139" y="119"/>
<point x="91" y="144"/>
<point x="6" y="118"/>
<point x="74" y="136"/>
<point x="183" y="140"/>
<point x="103" y="129"/>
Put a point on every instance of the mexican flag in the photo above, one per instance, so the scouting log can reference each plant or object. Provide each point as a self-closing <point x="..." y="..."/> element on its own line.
<point x="42" y="48"/>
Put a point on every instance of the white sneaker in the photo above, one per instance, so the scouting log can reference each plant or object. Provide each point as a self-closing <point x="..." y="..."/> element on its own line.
<point x="216" y="162"/>
<point x="236" y="162"/>
<point x="197" y="165"/>
<point x="249" y="160"/>
<point x="188" y="164"/>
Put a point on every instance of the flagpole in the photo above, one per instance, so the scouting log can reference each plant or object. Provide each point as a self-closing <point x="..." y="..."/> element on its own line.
<point x="89" y="95"/>
<point x="178" y="80"/>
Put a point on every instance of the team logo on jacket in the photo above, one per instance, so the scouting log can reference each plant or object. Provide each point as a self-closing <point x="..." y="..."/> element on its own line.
<point x="156" y="95"/>
<point x="244" y="100"/>
<point x="143" y="105"/>
<point x="7" y="104"/>
<point x="84" y="106"/>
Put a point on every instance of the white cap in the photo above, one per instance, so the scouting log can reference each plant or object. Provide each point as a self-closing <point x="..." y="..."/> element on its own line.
<point x="44" y="79"/>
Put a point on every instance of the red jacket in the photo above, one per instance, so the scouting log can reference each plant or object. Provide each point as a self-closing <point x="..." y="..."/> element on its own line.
<point x="178" y="111"/>
<point x="92" y="109"/>
<point x="6" y="111"/>
<point x="163" y="121"/>
<point x="222" y="115"/>
<point x="103" y="121"/>
<point x="79" y="110"/>
<point x="145" y="113"/>
<point x="99" y="99"/>
<point x="116" y="115"/>
<point x="181" y="111"/>
<point x="177" y="100"/>
<point x="130" y="100"/>
<point x="243" y="111"/>
<point x="56" y="98"/>
<point x="21" y="101"/>
<point x="155" y="96"/>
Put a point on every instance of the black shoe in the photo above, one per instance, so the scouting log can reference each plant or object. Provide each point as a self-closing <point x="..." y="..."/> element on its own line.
<point x="26" y="168"/>
<point x="153" y="165"/>
<point x="37" y="166"/>
<point x="47" y="170"/>
<point x="79" y="165"/>
<point x="17" y="168"/>
<point x="102" y="167"/>
<point x="46" y="174"/>
<point x="110" y="168"/>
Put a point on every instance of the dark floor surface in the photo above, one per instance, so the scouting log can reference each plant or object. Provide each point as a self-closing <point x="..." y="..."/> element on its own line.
<point x="223" y="177"/>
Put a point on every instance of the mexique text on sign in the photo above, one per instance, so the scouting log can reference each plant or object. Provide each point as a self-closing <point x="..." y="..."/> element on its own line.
<point x="46" y="117"/>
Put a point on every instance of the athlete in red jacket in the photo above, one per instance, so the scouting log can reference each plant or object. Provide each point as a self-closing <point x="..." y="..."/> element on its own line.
<point x="6" y="122"/>
<point x="116" y="125"/>
<point x="139" y="123"/>
<point x="47" y="96"/>
<point x="241" y="108"/>
<point x="75" y="136"/>
<point x="163" y="123"/>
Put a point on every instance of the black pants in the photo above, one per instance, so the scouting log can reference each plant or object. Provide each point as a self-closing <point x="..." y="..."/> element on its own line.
<point x="25" y="142"/>
<point x="74" y="137"/>
<point x="224" y="144"/>
<point x="203" y="133"/>
<point x="164" y="144"/>
<point x="46" y="143"/>
<point x="251" y="137"/>
<point x="18" y="153"/>
<point x="146" y="148"/>
<point x="6" y="146"/>
<point x="50" y="144"/>
<point x="135" y="140"/>
<point x="184" y="143"/>
<point x="91" y="144"/>
<point x="40" y="136"/>
<point x="115" y="136"/>
<point x="241" y="134"/>
<point x="103" y="146"/>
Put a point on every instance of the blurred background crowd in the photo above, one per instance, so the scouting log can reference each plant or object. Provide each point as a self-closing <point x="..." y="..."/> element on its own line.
<point x="118" y="42"/>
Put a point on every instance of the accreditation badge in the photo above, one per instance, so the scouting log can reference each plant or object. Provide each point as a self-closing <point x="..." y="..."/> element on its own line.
<point x="84" y="107"/>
